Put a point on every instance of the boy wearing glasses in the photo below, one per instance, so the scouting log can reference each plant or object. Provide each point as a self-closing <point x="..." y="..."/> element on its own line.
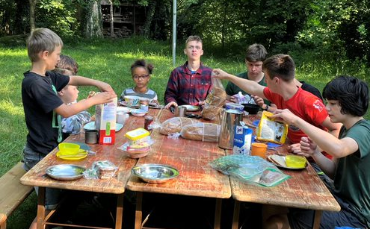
<point x="141" y="71"/>
<point x="191" y="82"/>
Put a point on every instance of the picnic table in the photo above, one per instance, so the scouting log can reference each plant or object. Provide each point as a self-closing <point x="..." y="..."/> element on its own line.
<point x="303" y="190"/>
<point x="197" y="179"/>
<point x="36" y="176"/>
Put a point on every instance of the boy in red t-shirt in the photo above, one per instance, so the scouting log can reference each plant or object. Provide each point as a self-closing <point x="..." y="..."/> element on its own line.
<point x="282" y="91"/>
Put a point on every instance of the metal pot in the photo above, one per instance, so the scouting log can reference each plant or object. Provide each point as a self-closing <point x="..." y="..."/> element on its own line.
<point x="229" y="119"/>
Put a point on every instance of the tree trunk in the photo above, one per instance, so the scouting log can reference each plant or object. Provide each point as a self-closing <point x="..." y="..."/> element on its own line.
<point x="149" y="18"/>
<point x="111" y="19"/>
<point x="93" y="26"/>
<point x="32" y="14"/>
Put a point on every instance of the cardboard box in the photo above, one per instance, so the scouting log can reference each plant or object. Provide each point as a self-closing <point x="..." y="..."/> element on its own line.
<point x="242" y="140"/>
<point x="105" y="115"/>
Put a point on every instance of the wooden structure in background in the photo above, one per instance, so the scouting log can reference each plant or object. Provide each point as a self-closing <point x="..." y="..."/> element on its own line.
<point x="125" y="19"/>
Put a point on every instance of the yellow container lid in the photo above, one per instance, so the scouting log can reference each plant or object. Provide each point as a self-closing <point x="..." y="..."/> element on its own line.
<point x="294" y="161"/>
<point x="137" y="134"/>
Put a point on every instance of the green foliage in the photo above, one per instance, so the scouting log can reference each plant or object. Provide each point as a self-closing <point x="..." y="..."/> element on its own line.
<point x="58" y="16"/>
<point x="337" y="27"/>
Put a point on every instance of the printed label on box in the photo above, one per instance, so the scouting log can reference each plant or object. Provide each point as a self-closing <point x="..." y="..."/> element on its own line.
<point x="242" y="140"/>
<point x="106" y="122"/>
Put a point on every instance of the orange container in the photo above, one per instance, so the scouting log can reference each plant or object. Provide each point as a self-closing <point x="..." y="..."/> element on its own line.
<point x="259" y="149"/>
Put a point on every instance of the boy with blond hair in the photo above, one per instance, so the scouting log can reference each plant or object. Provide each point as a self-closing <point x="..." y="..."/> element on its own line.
<point x="42" y="105"/>
<point x="191" y="82"/>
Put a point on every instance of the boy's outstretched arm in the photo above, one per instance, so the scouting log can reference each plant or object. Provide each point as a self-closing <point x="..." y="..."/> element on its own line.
<point x="83" y="81"/>
<point x="68" y="110"/>
<point x="248" y="86"/>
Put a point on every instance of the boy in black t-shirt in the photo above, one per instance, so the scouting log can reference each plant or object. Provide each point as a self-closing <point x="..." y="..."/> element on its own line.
<point x="43" y="107"/>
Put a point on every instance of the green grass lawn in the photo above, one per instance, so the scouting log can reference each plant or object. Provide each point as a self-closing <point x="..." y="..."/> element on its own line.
<point x="110" y="61"/>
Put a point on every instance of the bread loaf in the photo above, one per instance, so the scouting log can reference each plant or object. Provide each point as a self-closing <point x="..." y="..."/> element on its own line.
<point x="211" y="113"/>
<point x="174" y="125"/>
<point x="207" y="132"/>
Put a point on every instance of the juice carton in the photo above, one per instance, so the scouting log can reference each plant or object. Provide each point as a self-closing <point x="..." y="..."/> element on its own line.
<point x="242" y="140"/>
<point x="106" y="122"/>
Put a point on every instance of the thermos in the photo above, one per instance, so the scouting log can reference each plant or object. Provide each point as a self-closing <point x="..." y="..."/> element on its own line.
<point x="180" y="111"/>
<point x="229" y="119"/>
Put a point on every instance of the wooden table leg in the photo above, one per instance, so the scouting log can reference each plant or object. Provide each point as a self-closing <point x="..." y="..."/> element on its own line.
<point x="317" y="219"/>
<point x="41" y="208"/>
<point x="217" y="223"/>
<point x="139" y="210"/>
<point x="235" y="224"/>
<point x="119" y="211"/>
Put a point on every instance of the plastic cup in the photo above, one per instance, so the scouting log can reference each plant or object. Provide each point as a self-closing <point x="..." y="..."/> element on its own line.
<point x="259" y="149"/>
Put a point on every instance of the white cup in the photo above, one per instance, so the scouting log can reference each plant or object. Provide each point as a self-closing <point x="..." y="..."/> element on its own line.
<point x="121" y="117"/>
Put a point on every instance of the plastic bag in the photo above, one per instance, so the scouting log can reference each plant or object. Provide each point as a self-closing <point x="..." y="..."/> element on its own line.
<point x="251" y="169"/>
<point x="215" y="100"/>
<point x="270" y="130"/>
<point x="217" y="96"/>
<point x="207" y="132"/>
<point x="101" y="170"/>
<point x="175" y="124"/>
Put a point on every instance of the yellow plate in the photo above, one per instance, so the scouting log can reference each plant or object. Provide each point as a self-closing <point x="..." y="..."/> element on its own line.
<point x="80" y="155"/>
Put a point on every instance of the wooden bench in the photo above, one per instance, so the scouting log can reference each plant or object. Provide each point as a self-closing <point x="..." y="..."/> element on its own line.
<point x="2" y="221"/>
<point x="12" y="192"/>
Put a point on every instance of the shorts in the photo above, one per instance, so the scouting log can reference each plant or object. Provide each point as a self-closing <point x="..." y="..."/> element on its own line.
<point x="52" y="195"/>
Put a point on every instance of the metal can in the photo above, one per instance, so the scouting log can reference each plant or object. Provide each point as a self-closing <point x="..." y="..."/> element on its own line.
<point x="148" y="120"/>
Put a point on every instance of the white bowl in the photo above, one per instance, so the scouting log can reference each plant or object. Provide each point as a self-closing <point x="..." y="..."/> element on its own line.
<point x="138" y="112"/>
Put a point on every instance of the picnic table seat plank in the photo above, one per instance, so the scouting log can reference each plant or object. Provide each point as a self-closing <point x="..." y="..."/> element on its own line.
<point x="12" y="192"/>
<point x="3" y="221"/>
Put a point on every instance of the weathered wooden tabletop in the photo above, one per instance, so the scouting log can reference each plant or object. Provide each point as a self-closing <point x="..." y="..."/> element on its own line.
<point x="304" y="189"/>
<point x="191" y="158"/>
<point x="36" y="176"/>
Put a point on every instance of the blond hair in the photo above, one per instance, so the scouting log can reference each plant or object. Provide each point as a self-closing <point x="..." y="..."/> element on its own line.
<point x="193" y="38"/>
<point x="42" y="39"/>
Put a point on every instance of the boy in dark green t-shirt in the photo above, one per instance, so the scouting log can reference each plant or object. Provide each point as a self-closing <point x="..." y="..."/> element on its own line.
<point x="348" y="174"/>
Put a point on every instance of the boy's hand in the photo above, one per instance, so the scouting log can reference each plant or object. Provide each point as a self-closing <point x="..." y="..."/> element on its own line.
<point x="170" y="104"/>
<point x="286" y="115"/>
<point x="308" y="147"/>
<point x="103" y="97"/>
<point x="258" y="100"/>
<point x="104" y="87"/>
<point x="219" y="74"/>
<point x="233" y="99"/>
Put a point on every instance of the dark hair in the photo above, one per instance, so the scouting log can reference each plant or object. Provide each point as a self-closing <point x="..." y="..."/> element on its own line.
<point x="280" y="65"/>
<point x="67" y="62"/>
<point x="143" y="64"/>
<point x="63" y="71"/>
<point x="256" y="52"/>
<point x="351" y="93"/>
